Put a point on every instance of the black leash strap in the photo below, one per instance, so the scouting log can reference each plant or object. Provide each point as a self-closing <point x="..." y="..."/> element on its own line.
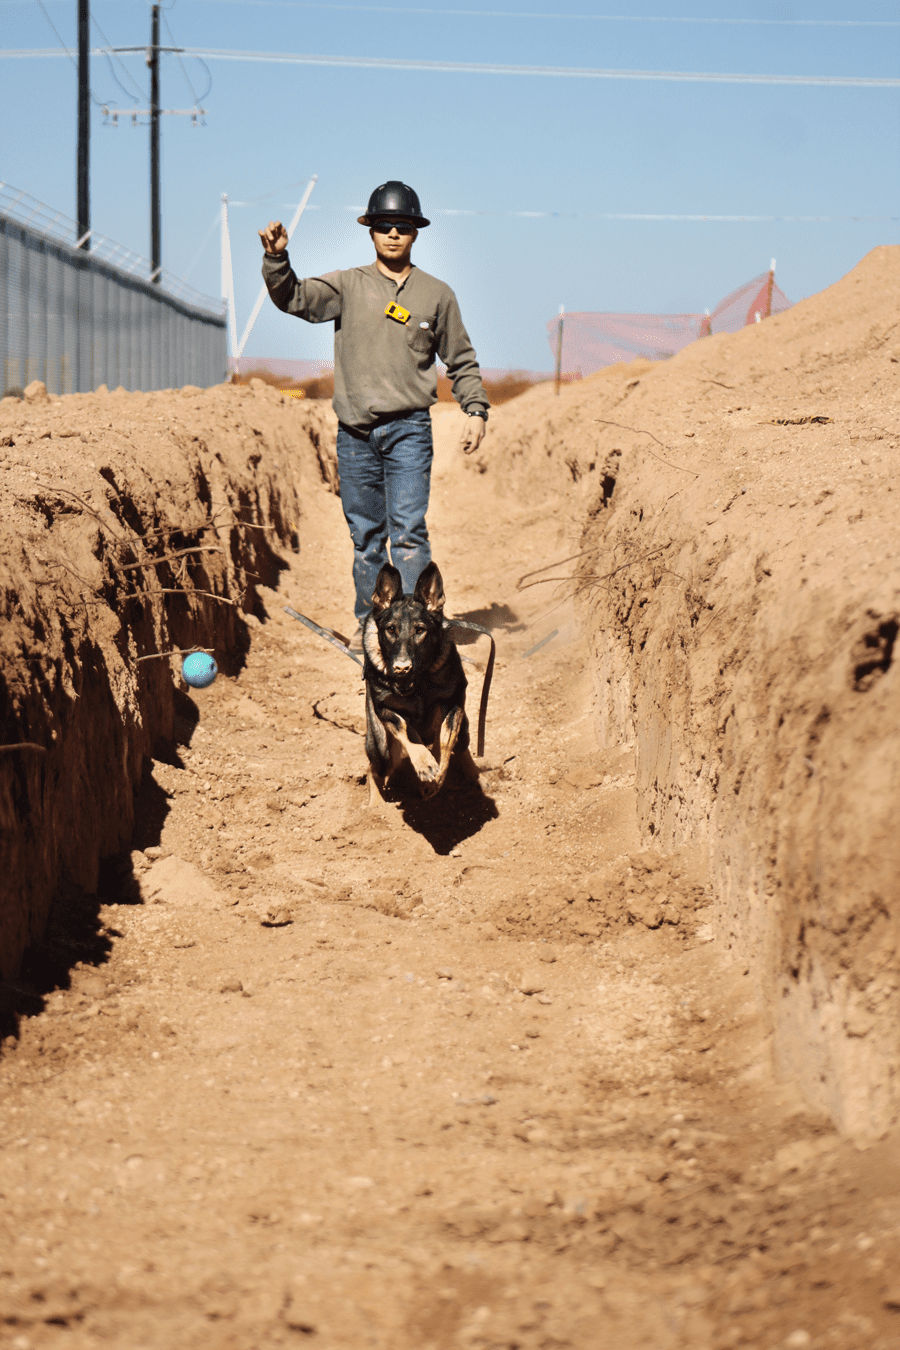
<point x="323" y="632"/>
<point x="488" y="674"/>
<point x="448" y="623"/>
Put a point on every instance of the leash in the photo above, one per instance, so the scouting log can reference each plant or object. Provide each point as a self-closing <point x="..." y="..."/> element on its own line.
<point x="448" y="624"/>
<point x="323" y="632"/>
<point x="488" y="674"/>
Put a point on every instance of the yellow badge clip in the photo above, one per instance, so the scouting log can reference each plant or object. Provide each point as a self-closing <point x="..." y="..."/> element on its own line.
<point x="397" y="313"/>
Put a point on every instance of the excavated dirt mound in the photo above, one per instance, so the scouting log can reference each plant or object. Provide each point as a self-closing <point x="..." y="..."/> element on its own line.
<point x="741" y="566"/>
<point x="487" y="1072"/>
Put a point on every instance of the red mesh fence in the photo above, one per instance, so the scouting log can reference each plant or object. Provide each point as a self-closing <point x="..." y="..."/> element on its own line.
<point x="289" y="369"/>
<point x="592" y="341"/>
<point x="742" y="306"/>
<point x="315" y="379"/>
<point x="282" y="368"/>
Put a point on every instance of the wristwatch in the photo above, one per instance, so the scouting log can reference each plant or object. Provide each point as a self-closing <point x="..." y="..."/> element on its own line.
<point x="476" y="412"/>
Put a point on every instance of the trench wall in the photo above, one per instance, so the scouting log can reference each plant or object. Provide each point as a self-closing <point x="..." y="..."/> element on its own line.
<point x="741" y="578"/>
<point x="130" y="525"/>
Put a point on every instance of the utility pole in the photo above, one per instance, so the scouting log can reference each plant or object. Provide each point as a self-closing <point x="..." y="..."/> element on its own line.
<point x="154" y="112"/>
<point x="155" y="230"/>
<point x="84" y="126"/>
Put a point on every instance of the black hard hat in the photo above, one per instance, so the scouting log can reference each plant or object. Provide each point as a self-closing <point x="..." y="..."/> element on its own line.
<point x="394" y="199"/>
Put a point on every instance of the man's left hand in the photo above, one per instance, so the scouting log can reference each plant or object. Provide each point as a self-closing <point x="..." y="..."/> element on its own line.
<point x="473" y="434"/>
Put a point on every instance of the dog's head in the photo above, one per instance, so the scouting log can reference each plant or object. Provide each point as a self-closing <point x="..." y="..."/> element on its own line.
<point x="407" y="633"/>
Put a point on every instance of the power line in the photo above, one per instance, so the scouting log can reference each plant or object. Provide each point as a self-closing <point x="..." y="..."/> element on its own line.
<point x="94" y="99"/>
<point x="566" y="72"/>
<point x="495" y="69"/>
<point x="646" y="216"/>
<point x="197" y="100"/>
<point x="110" y="57"/>
<point x="477" y="68"/>
<point x="542" y="14"/>
<point x="196" y="258"/>
<point x="41" y="6"/>
<point x="694" y="217"/>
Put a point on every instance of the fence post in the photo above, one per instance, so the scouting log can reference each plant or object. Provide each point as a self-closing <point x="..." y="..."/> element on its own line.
<point x="769" y="290"/>
<point x="5" y="287"/>
<point x="559" y="342"/>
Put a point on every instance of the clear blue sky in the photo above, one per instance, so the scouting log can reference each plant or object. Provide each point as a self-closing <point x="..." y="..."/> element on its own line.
<point x="486" y="143"/>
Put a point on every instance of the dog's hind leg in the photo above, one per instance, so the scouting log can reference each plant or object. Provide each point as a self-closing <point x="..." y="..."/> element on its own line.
<point x="467" y="765"/>
<point x="452" y="726"/>
<point x="376" y="789"/>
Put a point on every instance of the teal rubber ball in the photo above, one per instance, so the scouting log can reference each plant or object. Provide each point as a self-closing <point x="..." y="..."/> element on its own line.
<point x="199" y="670"/>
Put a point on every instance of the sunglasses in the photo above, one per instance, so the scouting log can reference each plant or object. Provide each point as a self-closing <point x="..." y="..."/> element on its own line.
<point x="385" y="226"/>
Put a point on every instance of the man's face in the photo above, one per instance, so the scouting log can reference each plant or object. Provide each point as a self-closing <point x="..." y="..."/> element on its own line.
<point x="393" y="239"/>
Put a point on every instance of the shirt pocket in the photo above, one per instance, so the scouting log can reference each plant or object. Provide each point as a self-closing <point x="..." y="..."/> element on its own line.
<point x="420" y="335"/>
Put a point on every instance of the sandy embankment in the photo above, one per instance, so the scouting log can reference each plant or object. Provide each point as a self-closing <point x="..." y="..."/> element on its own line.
<point x="744" y="589"/>
<point x="96" y="491"/>
<point x="742" y="585"/>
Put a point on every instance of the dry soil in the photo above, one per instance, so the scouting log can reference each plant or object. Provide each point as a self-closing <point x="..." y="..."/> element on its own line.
<point x="482" y="1072"/>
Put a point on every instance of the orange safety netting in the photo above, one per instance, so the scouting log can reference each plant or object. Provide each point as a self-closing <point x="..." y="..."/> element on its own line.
<point x="591" y="341"/>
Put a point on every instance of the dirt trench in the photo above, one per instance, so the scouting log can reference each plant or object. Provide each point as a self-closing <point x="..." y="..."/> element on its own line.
<point x="130" y="525"/>
<point x="471" y="1073"/>
<point x="739" y="565"/>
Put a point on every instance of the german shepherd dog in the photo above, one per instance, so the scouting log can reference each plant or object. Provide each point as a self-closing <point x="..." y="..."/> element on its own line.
<point x="415" y="686"/>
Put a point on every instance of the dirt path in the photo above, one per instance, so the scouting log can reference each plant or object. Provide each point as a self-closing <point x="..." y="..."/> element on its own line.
<point x="465" y="1075"/>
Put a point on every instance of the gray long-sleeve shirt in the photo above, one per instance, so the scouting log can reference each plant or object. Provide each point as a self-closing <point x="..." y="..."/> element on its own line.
<point x="382" y="366"/>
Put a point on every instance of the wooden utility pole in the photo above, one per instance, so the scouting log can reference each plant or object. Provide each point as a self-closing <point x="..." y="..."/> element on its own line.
<point x="155" y="225"/>
<point x="154" y="112"/>
<point x="84" y="125"/>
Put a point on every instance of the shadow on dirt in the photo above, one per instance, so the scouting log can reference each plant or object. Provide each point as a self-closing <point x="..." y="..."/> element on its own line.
<point x="496" y="619"/>
<point x="455" y="814"/>
<point x="75" y="935"/>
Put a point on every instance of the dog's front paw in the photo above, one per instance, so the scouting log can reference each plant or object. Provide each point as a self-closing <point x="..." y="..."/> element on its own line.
<point x="423" y="762"/>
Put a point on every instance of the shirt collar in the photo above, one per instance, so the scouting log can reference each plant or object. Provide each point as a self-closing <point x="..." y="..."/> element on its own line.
<point x="374" y="270"/>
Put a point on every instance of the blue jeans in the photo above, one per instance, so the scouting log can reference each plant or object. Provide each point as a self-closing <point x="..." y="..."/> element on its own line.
<point x="385" y="482"/>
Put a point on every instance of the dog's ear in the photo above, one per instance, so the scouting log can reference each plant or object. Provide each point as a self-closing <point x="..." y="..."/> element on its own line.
<point x="388" y="588"/>
<point x="430" y="589"/>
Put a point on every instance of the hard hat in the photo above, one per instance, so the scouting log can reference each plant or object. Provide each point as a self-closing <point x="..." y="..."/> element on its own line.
<point x="394" y="199"/>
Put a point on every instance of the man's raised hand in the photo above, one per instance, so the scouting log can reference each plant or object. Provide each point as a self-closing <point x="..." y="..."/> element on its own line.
<point x="274" y="237"/>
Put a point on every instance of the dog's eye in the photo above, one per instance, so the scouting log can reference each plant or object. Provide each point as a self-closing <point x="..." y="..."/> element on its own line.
<point x="420" y="629"/>
<point x="392" y="630"/>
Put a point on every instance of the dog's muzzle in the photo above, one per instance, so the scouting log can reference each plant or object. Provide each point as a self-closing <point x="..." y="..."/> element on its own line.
<point x="403" y="676"/>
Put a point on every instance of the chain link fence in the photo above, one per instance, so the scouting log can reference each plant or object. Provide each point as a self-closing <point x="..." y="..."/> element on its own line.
<point x="77" y="319"/>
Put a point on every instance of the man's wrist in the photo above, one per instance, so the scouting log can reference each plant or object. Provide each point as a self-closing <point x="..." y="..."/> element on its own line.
<point x="476" y="412"/>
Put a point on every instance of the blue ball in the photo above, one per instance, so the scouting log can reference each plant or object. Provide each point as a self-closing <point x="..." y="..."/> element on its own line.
<point x="199" y="670"/>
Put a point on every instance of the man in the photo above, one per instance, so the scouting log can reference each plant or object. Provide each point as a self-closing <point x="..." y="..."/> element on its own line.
<point x="390" y="320"/>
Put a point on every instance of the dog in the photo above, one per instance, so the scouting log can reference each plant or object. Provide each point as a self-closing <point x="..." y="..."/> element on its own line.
<point x="415" y="686"/>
